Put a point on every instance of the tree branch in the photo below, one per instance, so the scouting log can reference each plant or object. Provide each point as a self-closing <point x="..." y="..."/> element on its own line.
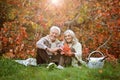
<point x="104" y="43"/>
<point x="72" y="22"/>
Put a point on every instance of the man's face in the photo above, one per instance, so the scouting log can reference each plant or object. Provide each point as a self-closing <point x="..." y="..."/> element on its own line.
<point x="54" y="34"/>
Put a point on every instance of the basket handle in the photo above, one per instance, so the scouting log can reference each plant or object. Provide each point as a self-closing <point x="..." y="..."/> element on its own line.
<point x="94" y="52"/>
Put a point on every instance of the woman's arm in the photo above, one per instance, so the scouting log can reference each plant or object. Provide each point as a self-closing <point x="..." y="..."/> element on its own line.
<point x="78" y="49"/>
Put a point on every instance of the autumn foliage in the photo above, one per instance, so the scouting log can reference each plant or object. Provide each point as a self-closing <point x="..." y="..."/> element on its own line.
<point x="96" y="24"/>
<point x="66" y="50"/>
<point x="13" y="41"/>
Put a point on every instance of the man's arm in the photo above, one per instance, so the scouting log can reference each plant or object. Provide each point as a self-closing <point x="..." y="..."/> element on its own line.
<point x="40" y="44"/>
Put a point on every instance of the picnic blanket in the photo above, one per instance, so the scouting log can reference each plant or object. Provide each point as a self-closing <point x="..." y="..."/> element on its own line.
<point x="27" y="62"/>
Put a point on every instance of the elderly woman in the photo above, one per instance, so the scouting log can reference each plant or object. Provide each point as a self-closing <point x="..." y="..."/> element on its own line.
<point x="70" y="41"/>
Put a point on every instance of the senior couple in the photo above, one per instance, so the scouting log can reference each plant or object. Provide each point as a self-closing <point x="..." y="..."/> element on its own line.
<point x="52" y="51"/>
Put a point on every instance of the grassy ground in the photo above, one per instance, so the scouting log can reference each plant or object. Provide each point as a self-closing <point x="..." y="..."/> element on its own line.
<point x="10" y="70"/>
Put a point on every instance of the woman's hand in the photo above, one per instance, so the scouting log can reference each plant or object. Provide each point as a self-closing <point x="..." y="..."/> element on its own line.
<point x="69" y="53"/>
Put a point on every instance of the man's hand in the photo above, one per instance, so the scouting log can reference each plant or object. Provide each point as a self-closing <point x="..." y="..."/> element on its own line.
<point x="54" y="51"/>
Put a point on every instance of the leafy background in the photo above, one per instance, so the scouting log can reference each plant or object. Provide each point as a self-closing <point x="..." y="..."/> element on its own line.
<point x="95" y="22"/>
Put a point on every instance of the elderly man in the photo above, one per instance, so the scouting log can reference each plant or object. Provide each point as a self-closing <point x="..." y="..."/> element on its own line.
<point x="48" y="47"/>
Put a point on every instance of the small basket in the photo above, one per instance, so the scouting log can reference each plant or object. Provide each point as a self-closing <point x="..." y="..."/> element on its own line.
<point x="95" y="62"/>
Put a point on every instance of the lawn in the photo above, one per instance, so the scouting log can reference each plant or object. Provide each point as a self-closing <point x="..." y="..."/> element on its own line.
<point x="10" y="70"/>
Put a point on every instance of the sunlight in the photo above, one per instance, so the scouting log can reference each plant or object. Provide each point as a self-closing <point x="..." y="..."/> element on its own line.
<point x="56" y="2"/>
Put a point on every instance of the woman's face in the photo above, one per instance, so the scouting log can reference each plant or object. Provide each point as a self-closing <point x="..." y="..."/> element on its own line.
<point x="68" y="38"/>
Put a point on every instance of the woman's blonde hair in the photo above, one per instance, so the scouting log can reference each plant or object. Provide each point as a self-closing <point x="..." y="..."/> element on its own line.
<point x="72" y="34"/>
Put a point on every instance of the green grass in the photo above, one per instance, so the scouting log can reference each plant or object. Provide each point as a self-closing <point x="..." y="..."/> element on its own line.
<point x="10" y="70"/>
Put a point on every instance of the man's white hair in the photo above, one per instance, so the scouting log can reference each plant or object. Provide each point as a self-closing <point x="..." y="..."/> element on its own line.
<point x="55" y="27"/>
<point x="72" y="34"/>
